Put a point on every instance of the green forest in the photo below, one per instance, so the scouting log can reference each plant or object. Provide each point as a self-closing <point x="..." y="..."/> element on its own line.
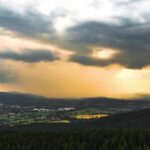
<point x="76" y="139"/>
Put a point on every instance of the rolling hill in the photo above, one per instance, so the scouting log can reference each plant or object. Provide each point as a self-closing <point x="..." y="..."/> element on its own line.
<point x="13" y="98"/>
<point x="135" y="119"/>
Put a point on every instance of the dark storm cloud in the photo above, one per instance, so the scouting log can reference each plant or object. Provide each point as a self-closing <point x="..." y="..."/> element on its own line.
<point x="30" y="56"/>
<point x="128" y="60"/>
<point x="27" y="24"/>
<point x="127" y="35"/>
<point x="131" y="39"/>
<point x="88" y="60"/>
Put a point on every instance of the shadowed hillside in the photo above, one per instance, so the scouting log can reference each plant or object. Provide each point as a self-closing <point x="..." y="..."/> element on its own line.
<point x="136" y="119"/>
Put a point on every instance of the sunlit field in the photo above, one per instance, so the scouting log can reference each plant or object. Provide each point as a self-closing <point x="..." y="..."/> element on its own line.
<point x="94" y="116"/>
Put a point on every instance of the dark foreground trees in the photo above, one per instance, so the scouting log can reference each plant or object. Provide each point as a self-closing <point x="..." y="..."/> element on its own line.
<point x="76" y="139"/>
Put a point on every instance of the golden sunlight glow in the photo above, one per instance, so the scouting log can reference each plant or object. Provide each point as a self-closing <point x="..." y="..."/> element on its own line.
<point x="134" y="81"/>
<point x="103" y="53"/>
<point x="124" y="74"/>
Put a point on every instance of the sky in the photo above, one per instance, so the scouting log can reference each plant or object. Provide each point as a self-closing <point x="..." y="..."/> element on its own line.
<point x="75" y="48"/>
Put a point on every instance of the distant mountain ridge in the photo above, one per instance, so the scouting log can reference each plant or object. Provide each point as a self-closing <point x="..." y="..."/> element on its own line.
<point x="13" y="98"/>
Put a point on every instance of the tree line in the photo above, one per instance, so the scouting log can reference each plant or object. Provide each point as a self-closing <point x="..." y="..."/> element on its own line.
<point x="76" y="139"/>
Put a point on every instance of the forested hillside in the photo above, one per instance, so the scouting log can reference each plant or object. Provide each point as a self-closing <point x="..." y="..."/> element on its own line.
<point x="87" y="139"/>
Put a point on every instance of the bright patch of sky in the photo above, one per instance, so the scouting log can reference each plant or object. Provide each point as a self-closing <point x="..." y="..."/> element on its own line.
<point x="66" y="13"/>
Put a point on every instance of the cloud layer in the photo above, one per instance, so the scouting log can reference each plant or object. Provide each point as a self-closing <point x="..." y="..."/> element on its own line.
<point x="28" y="23"/>
<point x="128" y="34"/>
<point x="130" y="39"/>
<point x="30" y="56"/>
